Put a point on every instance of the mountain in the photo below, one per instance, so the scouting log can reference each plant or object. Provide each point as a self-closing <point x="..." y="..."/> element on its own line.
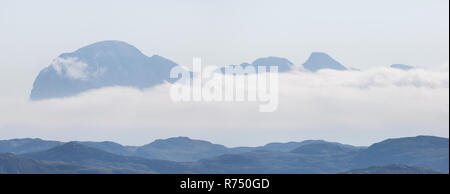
<point x="184" y="149"/>
<point x="102" y="64"/>
<point x="264" y="161"/>
<point x="13" y="164"/>
<point x="290" y="146"/>
<point x="76" y="153"/>
<point x="110" y="147"/>
<point x="402" y="67"/>
<point x="283" y="64"/>
<point x="324" y="148"/>
<point x="311" y="156"/>
<point x="180" y="149"/>
<point x="319" y="60"/>
<point x="19" y="146"/>
<point x="424" y="151"/>
<point x="197" y="156"/>
<point x="286" y="147"/>
<point x="27" y="145"/>
<point x="393" y="169"/>
<point x="116" y="63"/>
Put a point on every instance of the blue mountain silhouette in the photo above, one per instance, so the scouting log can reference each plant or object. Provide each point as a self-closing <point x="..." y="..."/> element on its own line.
<point x="319" y="60"/>
<point x="102" y="64"/>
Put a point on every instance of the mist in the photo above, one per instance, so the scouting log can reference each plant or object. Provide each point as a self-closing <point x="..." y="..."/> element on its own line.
<point x="353" y="107"/>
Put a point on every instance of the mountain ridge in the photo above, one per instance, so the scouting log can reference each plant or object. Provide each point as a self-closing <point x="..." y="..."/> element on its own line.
<point x="320" y="60"/>
<point x="182" y="149"/>
<point x="78" y="154"/>
<point x="311" y="156"/>
<point x="117" y="63"/>
<point x="392" y="169"/>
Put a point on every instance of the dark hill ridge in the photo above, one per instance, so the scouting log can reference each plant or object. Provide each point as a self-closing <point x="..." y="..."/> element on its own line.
<point x="312" y="156"/>
<point x="13" y="164"/>
<point x="287" y="147"/>
<point x="421" y="151"/>
<point x="424" y="151"/>
<point x="25" y="145"/>
<point x="264" y="161"/>
<point x="71" y="152"/>
<point x="393" y="169"/>
<point x="324" y="148"/>
<point x="182" y="149"/>
<point x="111" y="147"/>
<point x="76" y="153"/>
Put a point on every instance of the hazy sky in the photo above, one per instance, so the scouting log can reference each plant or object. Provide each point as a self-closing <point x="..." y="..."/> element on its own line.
<point x="361" y="34"/>
<point x="356" y="33"/>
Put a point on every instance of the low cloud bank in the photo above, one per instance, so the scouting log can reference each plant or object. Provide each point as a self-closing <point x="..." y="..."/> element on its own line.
<point x="355" y="107"/>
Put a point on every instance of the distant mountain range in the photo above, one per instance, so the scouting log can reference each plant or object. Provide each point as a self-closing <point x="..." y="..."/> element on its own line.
<point x="184" y="155"/>
<point x="116" y="63"/>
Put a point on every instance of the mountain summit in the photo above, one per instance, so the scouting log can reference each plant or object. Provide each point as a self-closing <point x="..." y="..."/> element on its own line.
<point x="283" y="64"/>
<point x="102" y="64"/>
<point x="319" y="60"/>
<point x="402" y="67"/>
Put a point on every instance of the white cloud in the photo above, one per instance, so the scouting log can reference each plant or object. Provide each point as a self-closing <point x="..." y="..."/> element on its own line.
<point x="347" y="106"/>
<point x="74" y="68"/>
<point x="70" y="67"/>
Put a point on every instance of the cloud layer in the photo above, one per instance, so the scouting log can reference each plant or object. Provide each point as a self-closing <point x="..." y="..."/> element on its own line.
<point x="355" y="107"/>
<point x="73" y="68"/>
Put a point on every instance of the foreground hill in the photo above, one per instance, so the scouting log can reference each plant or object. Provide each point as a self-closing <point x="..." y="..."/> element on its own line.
<point x="424" y="151"/>
<point x="19" y="146"/>
<point x="76" y="153"/>
<point x="13" y="164"/>
<point x="181" y="149"/>
<point x="393" y="169"/>
<point x="421" y="151"/>
<point x="263" y="161"/>
<point x="325" y="148"/>
<point x="312" y="156"/>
